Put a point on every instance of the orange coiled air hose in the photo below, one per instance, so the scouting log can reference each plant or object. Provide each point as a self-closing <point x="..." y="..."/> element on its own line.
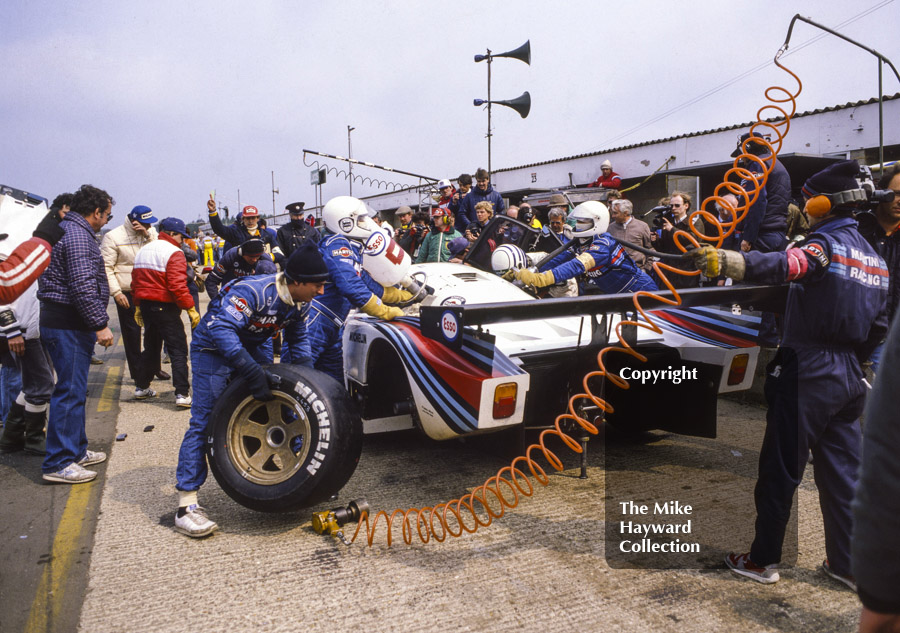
<point x="490" y="500"/>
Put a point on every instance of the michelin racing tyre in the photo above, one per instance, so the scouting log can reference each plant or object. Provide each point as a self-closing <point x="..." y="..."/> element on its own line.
<point x="294" y="451"/>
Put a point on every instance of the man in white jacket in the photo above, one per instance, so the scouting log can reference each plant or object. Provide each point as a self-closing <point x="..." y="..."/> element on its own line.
<point x="119" y="248"/>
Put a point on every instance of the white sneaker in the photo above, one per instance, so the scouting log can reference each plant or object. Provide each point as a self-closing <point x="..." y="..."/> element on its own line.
<point x="71" y="474"/>
<point x="194" y="522"/>
<point x="183" y="401"/>
<point x="143" y="394"/>
<point x="92" y="457"/>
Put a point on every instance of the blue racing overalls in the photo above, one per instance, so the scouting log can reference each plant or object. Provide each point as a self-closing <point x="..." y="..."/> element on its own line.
<point x="834" y="317"/>
<point x="243" y="319"/>
<point x="350" y="287"/>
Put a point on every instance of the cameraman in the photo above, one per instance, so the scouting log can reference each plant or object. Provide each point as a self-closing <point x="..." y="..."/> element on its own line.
<point x="671" y="220"/>
<point x="484" y="210"/>
<point x="880" y="230"/>
<point x="411" y="237"/>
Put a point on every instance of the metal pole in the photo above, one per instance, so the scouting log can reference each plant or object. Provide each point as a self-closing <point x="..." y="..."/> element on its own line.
<point x="881" y="59"/>
<point x="350" y="155"/>
<point x="273" y="194"/>
<point x="880" y="120"/>
<point x="489" y="58"/>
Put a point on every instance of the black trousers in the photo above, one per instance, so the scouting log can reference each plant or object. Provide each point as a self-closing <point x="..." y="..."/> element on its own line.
<point x="162" y="323"/>
<point x="131" y="337"/>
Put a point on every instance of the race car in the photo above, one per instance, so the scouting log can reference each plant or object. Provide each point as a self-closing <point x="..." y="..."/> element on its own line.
<point x="527" y="356"/>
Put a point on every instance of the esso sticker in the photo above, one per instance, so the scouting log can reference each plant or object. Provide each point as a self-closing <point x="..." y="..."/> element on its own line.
<point x="449" y="326"/>
<point x="376" y="244"/>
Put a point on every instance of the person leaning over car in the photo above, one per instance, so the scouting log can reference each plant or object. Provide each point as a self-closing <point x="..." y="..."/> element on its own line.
<point x="348" y="227"/>
<point x="228" y="343"/>
<point x="597" y="257"/>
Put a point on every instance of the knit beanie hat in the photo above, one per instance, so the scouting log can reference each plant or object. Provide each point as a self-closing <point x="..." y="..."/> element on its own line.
<point x="833" y="179"/>
<point x="253" y="247"/>
<point x="306" y="265"/>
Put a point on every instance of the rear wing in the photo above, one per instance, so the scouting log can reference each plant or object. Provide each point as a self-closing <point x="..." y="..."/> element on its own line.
<point x="446" y="323"/>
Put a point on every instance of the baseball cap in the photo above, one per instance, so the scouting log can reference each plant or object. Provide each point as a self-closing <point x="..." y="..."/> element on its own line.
<point x="175" y="225"/>
<point x="142" y="214"/>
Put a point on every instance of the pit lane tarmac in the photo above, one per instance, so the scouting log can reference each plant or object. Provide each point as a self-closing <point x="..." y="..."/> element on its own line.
<point x="541" y="567"/>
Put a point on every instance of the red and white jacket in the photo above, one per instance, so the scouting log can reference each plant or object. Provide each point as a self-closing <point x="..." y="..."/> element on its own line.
<point x="160" y="274"/>
<point x="22" y="268"/>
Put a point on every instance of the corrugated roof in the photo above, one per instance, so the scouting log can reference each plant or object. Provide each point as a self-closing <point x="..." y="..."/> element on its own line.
<point x="853" y="104"/>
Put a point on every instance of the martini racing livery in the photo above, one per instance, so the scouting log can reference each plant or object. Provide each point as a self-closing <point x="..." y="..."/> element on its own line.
<point x="431" y="370"/>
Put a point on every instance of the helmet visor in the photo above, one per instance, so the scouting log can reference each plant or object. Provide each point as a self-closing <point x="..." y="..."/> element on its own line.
<point x="584" y="224"/>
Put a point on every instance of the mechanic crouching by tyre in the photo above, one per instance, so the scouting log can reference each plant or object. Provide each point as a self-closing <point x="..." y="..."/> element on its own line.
<point x="815" y="387"/>
<point x="347" y="227"/>
<point x="228" y="343"/>
<point x="603" y="262"/>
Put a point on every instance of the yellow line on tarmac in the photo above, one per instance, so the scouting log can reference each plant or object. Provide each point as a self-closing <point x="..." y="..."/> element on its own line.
<point x="107" y="396"/>
<point x="49" y="597"/>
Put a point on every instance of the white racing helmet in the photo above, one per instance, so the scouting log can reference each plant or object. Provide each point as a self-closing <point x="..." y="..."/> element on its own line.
<point x="508" y="257"/>
<point x="591" y="218"/>
<point x="348" y="216"/>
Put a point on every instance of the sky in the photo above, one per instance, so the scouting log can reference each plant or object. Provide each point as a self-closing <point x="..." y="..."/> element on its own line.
<point x="162" y="102"/>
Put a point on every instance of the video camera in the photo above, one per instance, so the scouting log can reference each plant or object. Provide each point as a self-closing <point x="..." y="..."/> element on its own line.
<point x="874" y="196"/>
<point x="663" y="212"/>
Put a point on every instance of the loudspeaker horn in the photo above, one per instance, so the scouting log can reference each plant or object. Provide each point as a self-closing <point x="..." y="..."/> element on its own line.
<point x="521" y="104"/>
<point x="523" y="53"/>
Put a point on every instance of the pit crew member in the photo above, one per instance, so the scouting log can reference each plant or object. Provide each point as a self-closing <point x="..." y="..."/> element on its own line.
<point x="347" y="227"/>
<point x="246" y="314"/>
<point x="244" y="261"/>
<point x="834" y="317"/>
<point x="598" y="257"/>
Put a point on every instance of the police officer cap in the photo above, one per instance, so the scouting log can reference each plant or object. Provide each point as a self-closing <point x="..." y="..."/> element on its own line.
<point x="253" y="247"/>
<point x="757" y="149"/>
<point x="306" y="265"/>
<point x="833" y="179"/>
<point x="295" y="208"/>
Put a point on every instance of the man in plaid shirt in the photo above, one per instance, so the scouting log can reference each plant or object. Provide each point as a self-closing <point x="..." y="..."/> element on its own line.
<point x="74" y="293"/>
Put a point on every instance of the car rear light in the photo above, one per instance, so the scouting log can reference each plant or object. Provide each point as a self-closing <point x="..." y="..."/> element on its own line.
<point x="505" y="400"/>
<point x="738" y="369"/>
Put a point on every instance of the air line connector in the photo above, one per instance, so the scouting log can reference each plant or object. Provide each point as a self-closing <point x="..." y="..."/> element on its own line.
<point x="330" y="521"/>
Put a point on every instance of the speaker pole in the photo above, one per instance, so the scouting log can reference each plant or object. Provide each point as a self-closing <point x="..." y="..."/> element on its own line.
<point x="489" y="59"/>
